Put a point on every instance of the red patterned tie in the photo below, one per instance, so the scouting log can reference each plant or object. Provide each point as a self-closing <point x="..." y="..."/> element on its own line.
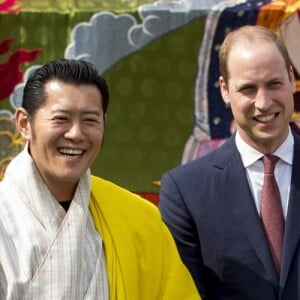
<point x="271" y="210"/>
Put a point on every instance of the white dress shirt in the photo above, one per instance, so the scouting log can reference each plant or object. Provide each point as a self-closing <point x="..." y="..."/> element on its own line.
<point x="253" y="164"/>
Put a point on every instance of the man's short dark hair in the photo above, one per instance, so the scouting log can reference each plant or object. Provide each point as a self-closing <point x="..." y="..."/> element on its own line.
<point x="68" y="71"/>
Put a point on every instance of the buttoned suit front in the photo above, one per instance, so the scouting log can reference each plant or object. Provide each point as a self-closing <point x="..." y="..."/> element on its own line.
<point x="209" y="208"/>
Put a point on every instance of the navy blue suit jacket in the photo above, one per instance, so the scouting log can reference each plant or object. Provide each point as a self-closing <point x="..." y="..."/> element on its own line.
<point x="208" y="206"/>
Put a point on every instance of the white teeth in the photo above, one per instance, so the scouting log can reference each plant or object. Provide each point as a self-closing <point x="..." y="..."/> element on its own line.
<point x="265" y="119"/>
<point x="68" y="151"/>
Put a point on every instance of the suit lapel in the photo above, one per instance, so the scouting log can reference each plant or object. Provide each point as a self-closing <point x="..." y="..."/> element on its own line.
<point x="240" y="200"/>
<point x="292" y="226"/>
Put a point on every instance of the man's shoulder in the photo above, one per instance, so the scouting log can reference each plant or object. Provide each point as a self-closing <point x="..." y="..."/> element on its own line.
<point x="218" y="156"/>
<point x="122" y="210"/>
<point x="296" y="135"/>
<point x="111" y="194"/>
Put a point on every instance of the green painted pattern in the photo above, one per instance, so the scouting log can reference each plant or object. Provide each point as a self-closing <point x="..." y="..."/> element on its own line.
<point x="152" y="91"/>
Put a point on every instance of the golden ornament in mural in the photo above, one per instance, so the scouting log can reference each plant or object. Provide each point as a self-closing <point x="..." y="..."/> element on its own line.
<point x="11" y="143"/>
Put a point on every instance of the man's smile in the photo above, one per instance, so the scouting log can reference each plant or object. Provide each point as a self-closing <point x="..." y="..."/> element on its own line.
<point x="71" y="152"/>
<point x="266" y="118"/>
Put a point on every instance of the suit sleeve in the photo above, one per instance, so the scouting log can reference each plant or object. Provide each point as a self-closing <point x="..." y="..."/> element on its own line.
<point x="177" y="281"/>
<point x="178" y="219"/>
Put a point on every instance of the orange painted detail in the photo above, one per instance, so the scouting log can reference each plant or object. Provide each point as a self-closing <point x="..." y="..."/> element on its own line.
<point x="150" y="196"/>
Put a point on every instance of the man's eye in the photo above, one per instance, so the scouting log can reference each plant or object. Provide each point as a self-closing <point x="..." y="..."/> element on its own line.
<point x="91" y="120"/>
<point x="276" y="84"/>
<point x="248" y="89"/>
<point x="60" y="118"/>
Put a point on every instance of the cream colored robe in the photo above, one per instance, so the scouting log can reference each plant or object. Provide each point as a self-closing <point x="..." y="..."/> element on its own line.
<point x="44" y="252"/>
<point x="142" y="259"/>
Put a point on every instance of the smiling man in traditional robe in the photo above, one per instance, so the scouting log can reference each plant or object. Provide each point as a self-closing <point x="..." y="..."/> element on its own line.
<point x="65" y="234"/>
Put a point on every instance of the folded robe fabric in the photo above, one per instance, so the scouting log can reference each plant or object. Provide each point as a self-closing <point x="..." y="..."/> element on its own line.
<point x="141" y="256"/>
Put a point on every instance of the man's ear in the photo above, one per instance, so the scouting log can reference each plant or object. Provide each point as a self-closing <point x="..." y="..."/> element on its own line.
<point x="22" y="123"/>
<point x="224" y="90"/>
<point x="105" y="119"/>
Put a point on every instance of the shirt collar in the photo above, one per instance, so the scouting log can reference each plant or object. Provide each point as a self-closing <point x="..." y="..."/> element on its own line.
<point x="250" y="155"/>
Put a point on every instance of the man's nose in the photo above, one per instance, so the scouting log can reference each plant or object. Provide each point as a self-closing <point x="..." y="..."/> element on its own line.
<point x="75" y="132"/>
<point x="263" y="100"/>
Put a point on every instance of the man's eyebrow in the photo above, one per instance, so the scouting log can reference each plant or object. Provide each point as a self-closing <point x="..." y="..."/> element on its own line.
<point x="277" y="78"/>
<point x="59" y="110"/>
<point x="85" y="112"/>
<point x="246" y="84"/>
<point x="91" y="112"/>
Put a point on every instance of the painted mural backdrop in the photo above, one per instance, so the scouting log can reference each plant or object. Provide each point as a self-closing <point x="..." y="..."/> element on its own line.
<point x="160" y="60"/>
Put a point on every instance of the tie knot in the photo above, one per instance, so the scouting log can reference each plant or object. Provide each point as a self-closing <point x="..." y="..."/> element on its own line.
<point x="269" y="163"/>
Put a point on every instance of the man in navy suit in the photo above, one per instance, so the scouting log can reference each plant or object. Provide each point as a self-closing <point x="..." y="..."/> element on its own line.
<point x="212" y="205"/>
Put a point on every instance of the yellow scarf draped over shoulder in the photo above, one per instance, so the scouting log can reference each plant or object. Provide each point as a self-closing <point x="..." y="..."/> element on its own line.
<point x="141" y="256"/>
